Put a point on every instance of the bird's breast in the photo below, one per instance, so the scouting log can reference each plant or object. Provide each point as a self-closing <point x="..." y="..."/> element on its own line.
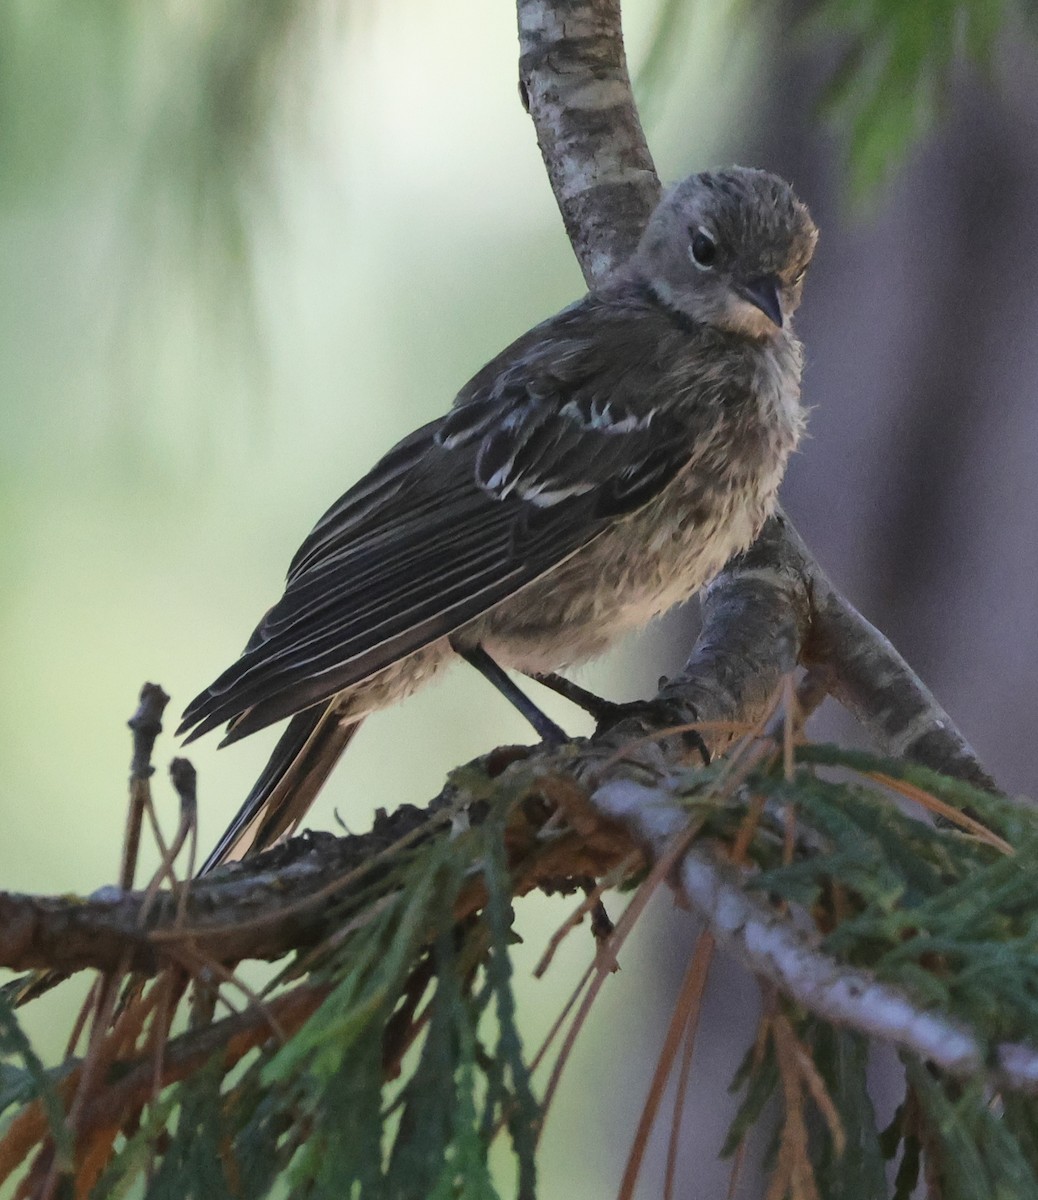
<point x="638" y="569"/>
<point x="662" y="554"/>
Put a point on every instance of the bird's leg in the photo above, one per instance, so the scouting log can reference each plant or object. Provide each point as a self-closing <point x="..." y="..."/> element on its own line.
<point x="602" y="711"/>
<point x="477" y="657"/>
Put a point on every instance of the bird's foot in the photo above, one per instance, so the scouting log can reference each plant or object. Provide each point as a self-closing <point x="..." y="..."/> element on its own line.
<point x="654" y="715"/>
<point x="606" y="713"/>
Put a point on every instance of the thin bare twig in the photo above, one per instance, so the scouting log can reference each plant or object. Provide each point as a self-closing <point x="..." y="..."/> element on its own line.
<point x="146" y="724"/>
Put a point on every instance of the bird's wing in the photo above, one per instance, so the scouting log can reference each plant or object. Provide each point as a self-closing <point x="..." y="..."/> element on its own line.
<point x="457" y="517"/>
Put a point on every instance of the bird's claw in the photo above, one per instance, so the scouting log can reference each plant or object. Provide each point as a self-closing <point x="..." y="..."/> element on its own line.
<point x="654" y="715"/>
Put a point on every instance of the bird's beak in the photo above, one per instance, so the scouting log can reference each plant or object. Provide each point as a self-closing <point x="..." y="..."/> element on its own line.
<point x="764" y="294"/>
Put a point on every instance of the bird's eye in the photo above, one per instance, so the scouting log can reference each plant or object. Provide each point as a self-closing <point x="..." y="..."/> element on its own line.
<point x="704" y="250"/>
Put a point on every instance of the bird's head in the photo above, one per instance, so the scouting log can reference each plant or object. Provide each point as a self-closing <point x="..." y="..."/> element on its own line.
<point x="729" y="249"/>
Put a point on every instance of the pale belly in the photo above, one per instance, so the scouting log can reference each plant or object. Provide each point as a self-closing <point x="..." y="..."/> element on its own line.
<point x="620" y="582"/>
<point x="649" y="562"/>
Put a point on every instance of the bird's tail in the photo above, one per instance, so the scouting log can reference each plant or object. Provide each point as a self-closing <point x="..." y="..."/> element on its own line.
<point x="302" y="760"/>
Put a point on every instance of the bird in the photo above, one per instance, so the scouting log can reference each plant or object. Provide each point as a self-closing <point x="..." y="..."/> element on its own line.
<point x="598" y="471"/>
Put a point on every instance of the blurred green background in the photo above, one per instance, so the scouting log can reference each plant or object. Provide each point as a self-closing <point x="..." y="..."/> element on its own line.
<point x="233" y="274"/>
<point x="246" y="245"/>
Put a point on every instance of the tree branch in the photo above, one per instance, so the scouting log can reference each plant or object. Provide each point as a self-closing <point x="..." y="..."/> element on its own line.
<point x="862" y="670"/>
<point x="292" y="897"/>
<point x="774" y="948"/>
<point x="574" y="83"/>
<point x="558" y="833"/>
<point x="574" y="80"/>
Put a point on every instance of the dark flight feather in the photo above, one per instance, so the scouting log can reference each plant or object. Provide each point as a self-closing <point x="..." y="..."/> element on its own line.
<point x="454" y="519"/>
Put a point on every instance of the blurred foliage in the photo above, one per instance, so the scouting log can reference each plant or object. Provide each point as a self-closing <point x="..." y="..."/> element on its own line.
<point x="210" y="130"/>
<point x="406" y="1061"/>
<point x="896" y="62"/>
<point x="199" y="85"/>
<point x="205" y="88"/>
